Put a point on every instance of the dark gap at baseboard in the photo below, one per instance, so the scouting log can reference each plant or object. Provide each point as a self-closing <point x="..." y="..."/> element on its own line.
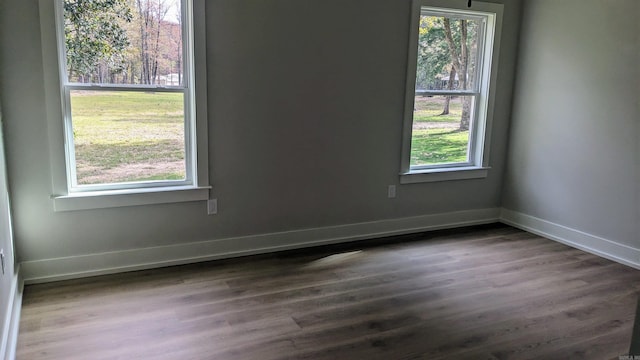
<point x="319" y="250"/>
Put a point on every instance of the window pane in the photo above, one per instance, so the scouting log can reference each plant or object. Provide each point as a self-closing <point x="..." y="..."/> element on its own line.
<point x="123" y="42"/>
<point x="441" y="135"/>
<point x="447" y="52"/>
<point x="124" y="136"/>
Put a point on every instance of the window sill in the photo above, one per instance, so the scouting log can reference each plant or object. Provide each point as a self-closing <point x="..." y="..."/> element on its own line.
<point x="129" y="197"/>
<point x="444" y="174"/>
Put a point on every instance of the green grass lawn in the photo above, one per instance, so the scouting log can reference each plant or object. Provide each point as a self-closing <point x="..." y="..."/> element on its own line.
<point x="429" y="108"/>
<point x="436" y="146"/>
<point x="436" y="138"/>
<point x="128" y="136"/>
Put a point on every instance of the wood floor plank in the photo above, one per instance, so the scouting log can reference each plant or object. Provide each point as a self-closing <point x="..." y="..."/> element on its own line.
<point x="485" y="292"/>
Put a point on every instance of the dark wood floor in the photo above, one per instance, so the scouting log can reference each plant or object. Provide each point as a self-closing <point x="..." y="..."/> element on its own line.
<point x="490" y="292"/>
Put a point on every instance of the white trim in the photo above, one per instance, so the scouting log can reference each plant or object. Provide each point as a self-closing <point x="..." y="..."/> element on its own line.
<point x="53" y="97"/>
<point x="447" y="92"/>
<point x="153" y="257"/>
<point x="444" y="174"/>
<point x="199" y="83"/>
<point x="9" y="338"/>
<point x="593" y="244"/>
<point x="125" y="87"/>
<point x="129" y="197"/>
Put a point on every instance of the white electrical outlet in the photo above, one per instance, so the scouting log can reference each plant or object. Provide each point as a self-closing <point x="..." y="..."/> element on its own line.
<point x="391" y="191"/>
<point x="212" y="206"/>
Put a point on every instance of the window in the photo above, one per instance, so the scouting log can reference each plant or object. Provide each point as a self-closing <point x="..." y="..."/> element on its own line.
<point x="129" y="130"/>
<point x="448" y="102"/>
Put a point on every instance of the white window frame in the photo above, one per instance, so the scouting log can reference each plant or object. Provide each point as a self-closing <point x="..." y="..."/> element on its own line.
<point x="483" y="93"/>
<point x="66" y="194"/>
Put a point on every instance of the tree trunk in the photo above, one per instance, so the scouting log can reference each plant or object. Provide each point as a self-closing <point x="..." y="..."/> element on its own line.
<point x="132" y="74"/>
<point x="453" y="52"/>
<point x="156" y="49"/>
<point x="179" y="52"/>
<point x="460" y="62"/>
<point x="143" y="51"/>
<point x="464" y="65"/>
<point x="464" y="55"/>
<point x="466" y="113"/>
<point x="447" y="99"/>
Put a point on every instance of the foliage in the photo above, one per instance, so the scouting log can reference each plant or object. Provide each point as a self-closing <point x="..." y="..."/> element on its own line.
<point x="447" y="58"/>
<point x="124" y="41"/>
<point x="153" y="52"/>
<point x="435" y="55"/>
<point x="94" y="37"/>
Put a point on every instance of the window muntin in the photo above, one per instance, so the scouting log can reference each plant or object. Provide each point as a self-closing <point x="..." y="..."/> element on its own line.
<point x="126" y="75"/>
<point x="435" y="139"/>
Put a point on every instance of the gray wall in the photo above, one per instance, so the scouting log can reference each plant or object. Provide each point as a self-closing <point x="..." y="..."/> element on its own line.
<point x="305" y="119"/>
<point x="8" y="279"/>
<point x="573" y="155"/>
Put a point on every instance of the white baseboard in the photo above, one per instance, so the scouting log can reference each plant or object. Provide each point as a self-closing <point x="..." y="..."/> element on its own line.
<point x="152" y="257"/>
<point x="12" y="321"/>
<point x="575" y="238"/>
